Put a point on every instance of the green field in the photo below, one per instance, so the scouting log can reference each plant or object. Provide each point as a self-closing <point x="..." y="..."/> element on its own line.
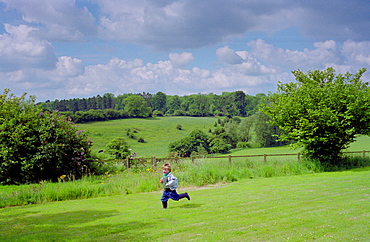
<point x="159" y="132"/>
<point x="317" y="207"/>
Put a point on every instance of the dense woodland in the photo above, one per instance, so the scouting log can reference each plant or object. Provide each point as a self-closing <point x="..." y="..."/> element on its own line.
<point x="108" y="106"/>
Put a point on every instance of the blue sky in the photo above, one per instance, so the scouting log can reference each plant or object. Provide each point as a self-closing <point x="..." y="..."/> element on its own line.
<point x="62" y="49"/>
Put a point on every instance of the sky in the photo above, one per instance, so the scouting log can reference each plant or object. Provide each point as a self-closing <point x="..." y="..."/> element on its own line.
<point x="63" y="49"/>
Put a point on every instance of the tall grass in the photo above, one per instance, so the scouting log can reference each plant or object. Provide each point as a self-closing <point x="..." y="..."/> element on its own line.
<point x="201" y="172"/>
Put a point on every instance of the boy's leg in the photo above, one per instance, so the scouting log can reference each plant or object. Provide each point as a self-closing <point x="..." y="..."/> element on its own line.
<point x="164" y="204"/>
<point x="164" y="199"/>
<point x="173" y="195"/>
<point x="182" y="195"/>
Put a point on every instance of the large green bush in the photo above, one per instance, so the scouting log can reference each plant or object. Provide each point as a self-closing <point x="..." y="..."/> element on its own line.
<point x="322" y="112"/>
<point x="38" y="145"/>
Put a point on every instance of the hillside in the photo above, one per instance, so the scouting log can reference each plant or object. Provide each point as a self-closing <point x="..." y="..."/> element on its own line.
<point x="159" y="132"/>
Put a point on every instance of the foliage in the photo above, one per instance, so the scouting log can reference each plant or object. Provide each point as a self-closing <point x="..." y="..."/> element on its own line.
<point x="323" y="112"/>
<point x="145" y="104"/>
<point x="218" y="145"/>
<point x="135" y="106"/>
<point x="119" y="148"/>
<point x="192" y="143"/>
<point x="266" y="133"/>
<point x="159" y="102"/>
<point x="37" y="145"/>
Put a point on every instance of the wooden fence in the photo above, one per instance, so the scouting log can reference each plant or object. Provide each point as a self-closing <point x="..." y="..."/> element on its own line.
<point x="129" y="162"/>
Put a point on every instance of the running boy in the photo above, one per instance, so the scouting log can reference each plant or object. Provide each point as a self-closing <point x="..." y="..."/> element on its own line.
<point x="170" y="184"/>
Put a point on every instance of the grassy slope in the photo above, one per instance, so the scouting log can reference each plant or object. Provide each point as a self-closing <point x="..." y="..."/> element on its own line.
<point x="159" y="132"/>
<point x="318" y="207"/>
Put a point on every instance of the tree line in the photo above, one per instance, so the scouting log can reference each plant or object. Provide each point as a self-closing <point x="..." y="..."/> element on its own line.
<point x="109" y="106"/>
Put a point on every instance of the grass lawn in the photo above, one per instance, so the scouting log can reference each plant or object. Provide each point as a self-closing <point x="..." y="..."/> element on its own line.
<point x="317" y="207"/>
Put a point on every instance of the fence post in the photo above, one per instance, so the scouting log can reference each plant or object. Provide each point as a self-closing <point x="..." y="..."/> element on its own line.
<point x="229" y="158"/>
<point x="192" y="159"/>
<point x="299" y="156"/>
<point x="154" y="162"/>
<point x="363" y="154"/>
<point x="128" y="162"/>
<point x="264" y="157"/>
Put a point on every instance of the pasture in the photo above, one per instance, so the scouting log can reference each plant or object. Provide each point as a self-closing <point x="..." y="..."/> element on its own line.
<point x="314" y="207"/>
<point x="157" y="132"/>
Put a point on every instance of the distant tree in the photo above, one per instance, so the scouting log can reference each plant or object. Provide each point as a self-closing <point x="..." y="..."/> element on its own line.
<point x="244" y="129"/>
<point x="239" y="97"/>
<point x="323" y="112"/>
<point x="109" y="101"/>
<point x="191" y="143"/>
<point x="147" y="97"/>
<point x="159" y="102"/>
<point x="218" y="145"/>
<point x="266" y="134"/>
<point x="135" y="106"/>
<point x="173" y="103"/>
<point x="231" y="129"/>
<point x="197" y="105"/>
<point x="119" y="148"/>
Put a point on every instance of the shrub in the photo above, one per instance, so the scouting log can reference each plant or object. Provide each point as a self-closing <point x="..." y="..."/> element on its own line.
<point x="37" y="145"/>
<point x="243" y="145"/>
<point x="119" y="148"/>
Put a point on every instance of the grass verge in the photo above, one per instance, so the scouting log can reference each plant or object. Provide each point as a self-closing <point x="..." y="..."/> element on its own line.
<point x="313" y="207"/>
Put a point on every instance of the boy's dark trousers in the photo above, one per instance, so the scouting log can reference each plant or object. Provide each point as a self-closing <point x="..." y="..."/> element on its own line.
<point x="181" y="196"/>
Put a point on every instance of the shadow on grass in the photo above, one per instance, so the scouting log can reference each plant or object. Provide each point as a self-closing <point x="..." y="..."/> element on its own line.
<point x="70" y="226"/>
<point x="190" y="205"/>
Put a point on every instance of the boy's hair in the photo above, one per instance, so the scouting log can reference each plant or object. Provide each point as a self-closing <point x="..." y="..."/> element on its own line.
<point x="168" y="166"/>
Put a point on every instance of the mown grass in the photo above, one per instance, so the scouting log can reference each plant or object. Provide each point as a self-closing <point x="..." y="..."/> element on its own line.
<point x="197" y="173"/>
<point x="314" y="207"/>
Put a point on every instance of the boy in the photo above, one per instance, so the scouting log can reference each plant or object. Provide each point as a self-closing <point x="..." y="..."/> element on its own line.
<point x="170" y="184"/>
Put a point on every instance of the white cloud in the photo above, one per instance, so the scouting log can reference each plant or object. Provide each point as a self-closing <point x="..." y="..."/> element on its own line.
<point x="181" y="60"/>
<point x="57" y="19"/>
<point x="228" y="56"/>
<point x="193" y="24"/>
<point x="19" y="49"/>
<point x="357" y="52"/>
<point x="325" y="52"/>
